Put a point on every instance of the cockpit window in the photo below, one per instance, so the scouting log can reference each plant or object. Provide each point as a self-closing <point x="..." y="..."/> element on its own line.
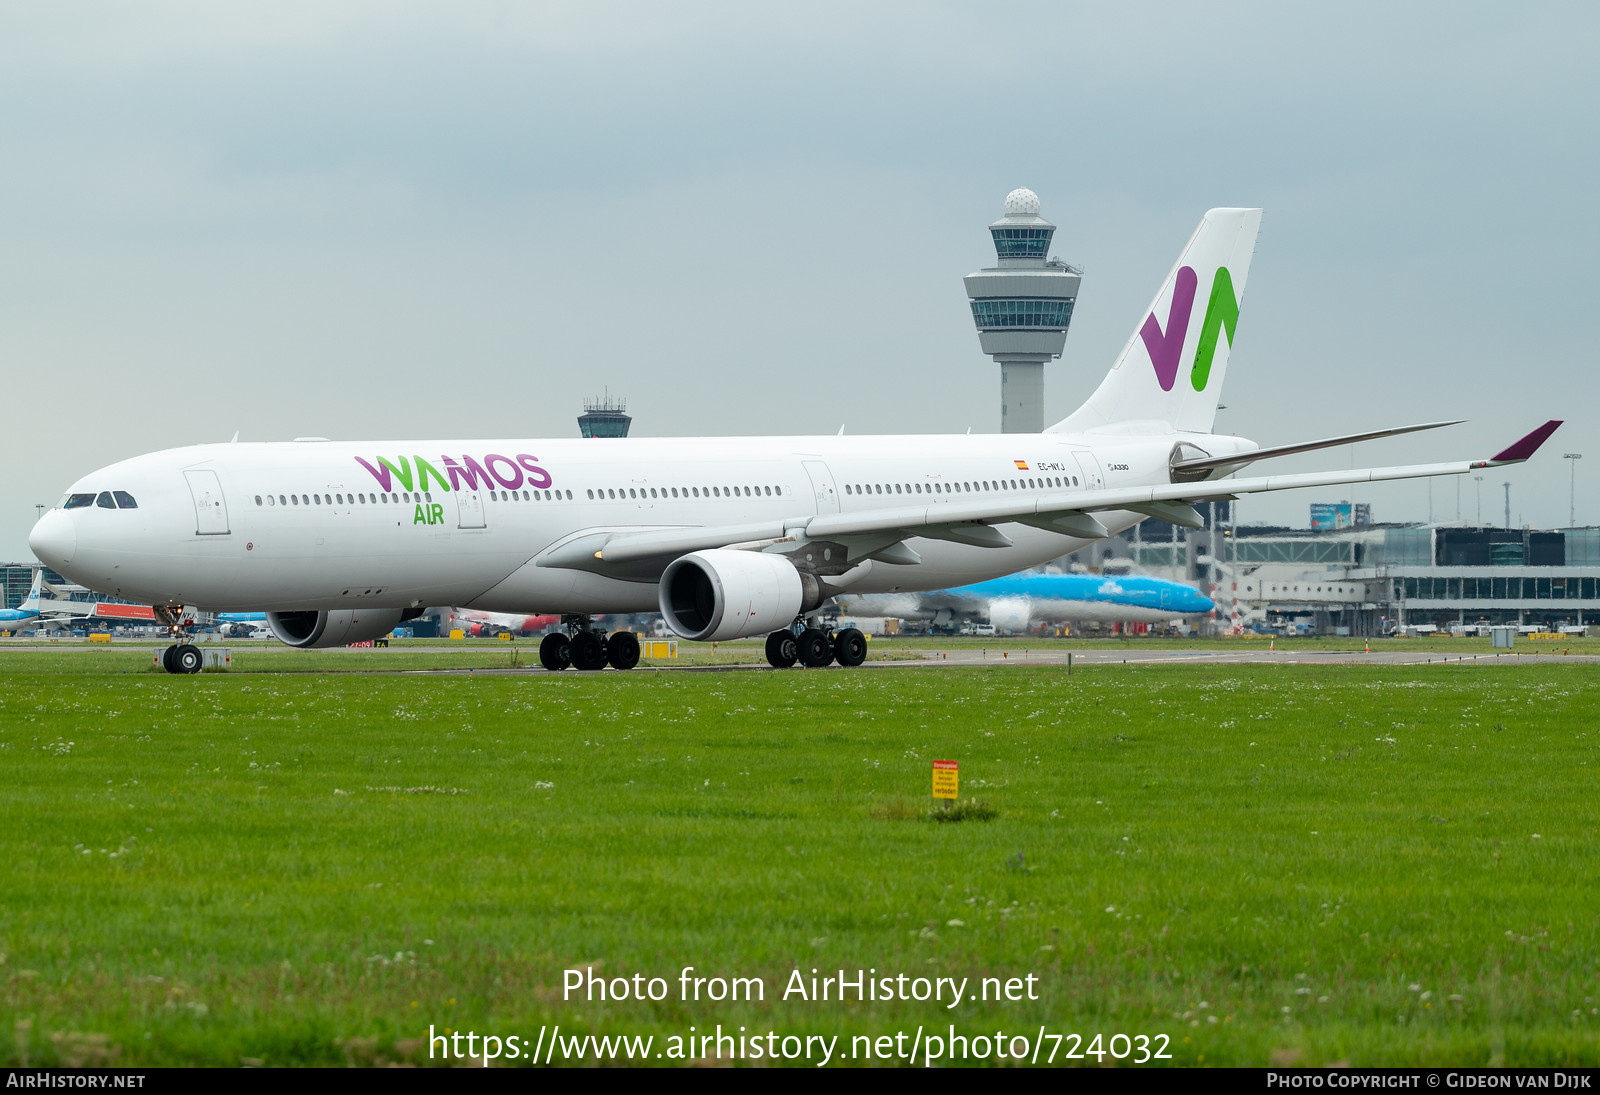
<point x="78" y="501"/>
<point x="104" y="501"/>
<point x="124" y="500"/>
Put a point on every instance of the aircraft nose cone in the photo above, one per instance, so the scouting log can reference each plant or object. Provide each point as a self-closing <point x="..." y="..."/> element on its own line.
<point x="54" y="539"/>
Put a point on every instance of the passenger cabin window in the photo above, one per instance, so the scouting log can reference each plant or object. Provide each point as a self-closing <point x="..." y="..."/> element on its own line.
<point x="124" y="500"/>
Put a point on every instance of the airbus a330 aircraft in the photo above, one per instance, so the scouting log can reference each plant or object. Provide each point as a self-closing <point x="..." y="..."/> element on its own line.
<point x="1015" y="602"/>
<point x="727" y="537"/>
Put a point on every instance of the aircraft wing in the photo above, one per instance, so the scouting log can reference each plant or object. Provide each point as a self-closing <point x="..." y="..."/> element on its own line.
<point x="971" y="521"/>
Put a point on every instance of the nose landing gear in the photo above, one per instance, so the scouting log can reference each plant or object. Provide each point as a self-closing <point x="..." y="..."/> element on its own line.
<point x="181" y="656"/>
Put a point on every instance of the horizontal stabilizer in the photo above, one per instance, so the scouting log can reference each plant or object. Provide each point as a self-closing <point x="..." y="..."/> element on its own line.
<point x="1239" y="460"/>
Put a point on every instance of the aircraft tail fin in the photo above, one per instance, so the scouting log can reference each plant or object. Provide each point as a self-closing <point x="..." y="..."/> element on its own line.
<point x="31" y="602"/>
<point x="1171" y="369"/>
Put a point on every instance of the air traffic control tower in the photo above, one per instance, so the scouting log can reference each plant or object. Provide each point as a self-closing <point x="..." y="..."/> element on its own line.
<point x="604" y="416"/>
<point x="1022" y="308"/>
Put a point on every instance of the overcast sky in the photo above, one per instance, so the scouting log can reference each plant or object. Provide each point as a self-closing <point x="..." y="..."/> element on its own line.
<point x="378" y="220"/>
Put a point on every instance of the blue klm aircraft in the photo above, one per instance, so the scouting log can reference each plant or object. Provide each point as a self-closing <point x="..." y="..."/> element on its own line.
<point x="1018" y="600"/>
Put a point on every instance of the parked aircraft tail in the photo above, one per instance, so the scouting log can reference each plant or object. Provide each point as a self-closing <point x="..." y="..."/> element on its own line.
<point x="1170" y="373"/>
<point x="31" y="602"/>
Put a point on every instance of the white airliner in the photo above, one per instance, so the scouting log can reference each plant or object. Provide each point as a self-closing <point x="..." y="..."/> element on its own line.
<point x="727" y="537"/>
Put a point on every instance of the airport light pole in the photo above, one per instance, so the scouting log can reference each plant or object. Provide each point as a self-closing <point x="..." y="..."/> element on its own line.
<point x="1572" y="489"/>
<point x="1478" y="479"/>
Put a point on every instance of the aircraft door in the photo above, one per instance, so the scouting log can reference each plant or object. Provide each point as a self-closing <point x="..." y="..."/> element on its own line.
<point x="1089" y="466"/>
<point x="469" y="509"/>
<point x="823" y="486"/>
<point x="210" y="509"/>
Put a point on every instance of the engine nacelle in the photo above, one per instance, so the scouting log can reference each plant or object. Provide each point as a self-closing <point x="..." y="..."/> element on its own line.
<point x="317" y="630"/>
<point x="709" y="596"/>
<point x="1011" y="614"/>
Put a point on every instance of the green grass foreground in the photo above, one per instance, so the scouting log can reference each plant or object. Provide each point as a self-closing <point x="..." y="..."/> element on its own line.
<point x="1267" y="864"/>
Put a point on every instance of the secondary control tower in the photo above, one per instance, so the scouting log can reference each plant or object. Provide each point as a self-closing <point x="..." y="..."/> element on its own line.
<point x="1022" y="308"/>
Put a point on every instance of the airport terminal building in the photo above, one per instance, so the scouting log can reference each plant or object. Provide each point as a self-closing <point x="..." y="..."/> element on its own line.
<point x="1370" y="579"/>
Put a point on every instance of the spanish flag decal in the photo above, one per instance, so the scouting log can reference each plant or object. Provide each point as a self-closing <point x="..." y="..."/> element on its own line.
<point x="1022" y="465"/>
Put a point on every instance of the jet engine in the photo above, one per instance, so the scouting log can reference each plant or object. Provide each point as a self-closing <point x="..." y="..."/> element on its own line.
<point x="709" y="596"/>
<point x="317" y="630"/>
<point x="1010" y="614"/>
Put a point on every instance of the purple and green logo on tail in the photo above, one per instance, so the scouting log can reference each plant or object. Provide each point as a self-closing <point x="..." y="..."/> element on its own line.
<point x="1165" y="347"/>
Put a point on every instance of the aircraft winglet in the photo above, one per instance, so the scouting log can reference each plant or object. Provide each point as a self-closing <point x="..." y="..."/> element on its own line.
<point x="1526" y="447"/>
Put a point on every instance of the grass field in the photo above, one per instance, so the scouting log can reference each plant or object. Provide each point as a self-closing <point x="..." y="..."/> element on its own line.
<point x="1264" y="863"/>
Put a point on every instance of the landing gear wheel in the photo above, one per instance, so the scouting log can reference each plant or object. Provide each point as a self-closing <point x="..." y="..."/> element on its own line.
<point x="166" y="659"/>
<point x="622" y="650"/>
<point x="850" y="647"/>
<point x="814" y="648"/>
<point x="781" y="651"/>
<point x="187" y="659"/>
<point x="588" y="651"/>
<point x="554" y="652"/>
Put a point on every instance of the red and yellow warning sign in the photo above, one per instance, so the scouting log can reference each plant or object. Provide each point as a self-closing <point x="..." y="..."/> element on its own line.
<point x="946" y="774"/>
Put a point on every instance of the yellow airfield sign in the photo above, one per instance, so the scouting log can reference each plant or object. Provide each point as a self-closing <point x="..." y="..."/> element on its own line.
<point x="946" y="774"/>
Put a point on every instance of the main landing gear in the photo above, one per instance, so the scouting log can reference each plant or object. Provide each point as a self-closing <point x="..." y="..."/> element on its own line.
<point x="814" y="647"/>
<point x="583" y="647"/>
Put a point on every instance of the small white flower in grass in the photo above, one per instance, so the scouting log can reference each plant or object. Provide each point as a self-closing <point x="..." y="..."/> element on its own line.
<point x="1536" y="836"/>
<point x="1425" y="996"/>
<point x="1111" y="908"/>
<point x="1414" y="987"/>
<point x="955" y="923"/>
<point x="1322" y="999"/>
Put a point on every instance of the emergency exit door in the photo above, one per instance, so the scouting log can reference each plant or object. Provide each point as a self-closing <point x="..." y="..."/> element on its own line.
<point x="822" y="486"/>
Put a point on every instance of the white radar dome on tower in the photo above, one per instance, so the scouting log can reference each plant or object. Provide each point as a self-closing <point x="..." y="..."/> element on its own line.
<point x="1022" y="202"/>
